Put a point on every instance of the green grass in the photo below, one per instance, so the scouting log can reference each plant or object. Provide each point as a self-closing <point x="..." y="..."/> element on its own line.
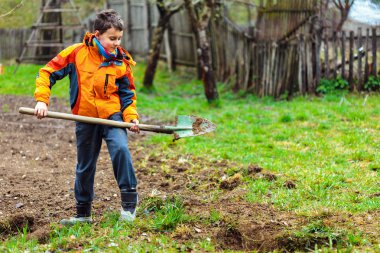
<point x="328" y="146"/>
<point x="23" y="82"/>
<point x="111" y="235"/>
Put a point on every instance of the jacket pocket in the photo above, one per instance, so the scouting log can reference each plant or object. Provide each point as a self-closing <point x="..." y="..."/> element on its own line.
<point x="105" y="84"/>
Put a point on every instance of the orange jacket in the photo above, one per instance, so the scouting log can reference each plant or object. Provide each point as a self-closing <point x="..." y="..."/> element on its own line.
<point x="94" y="91"/>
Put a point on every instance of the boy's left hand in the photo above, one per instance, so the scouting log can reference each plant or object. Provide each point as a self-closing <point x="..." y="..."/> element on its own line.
<point x="135" y="128"/>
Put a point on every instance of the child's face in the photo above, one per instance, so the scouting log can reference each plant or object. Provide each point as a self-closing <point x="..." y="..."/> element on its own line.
<point x="110" y="39"/>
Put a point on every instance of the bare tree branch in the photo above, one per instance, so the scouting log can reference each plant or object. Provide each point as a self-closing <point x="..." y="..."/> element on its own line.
<point x="11" y="11"/>
<point x="344" y="7"/>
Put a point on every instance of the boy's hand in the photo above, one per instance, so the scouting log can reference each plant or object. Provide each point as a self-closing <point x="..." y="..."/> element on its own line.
<point x="40" y="110"/>
<point x="135" y="128"/>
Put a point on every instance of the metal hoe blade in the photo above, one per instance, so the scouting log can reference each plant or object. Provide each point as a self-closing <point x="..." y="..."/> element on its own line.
<point x="192" y="126"/>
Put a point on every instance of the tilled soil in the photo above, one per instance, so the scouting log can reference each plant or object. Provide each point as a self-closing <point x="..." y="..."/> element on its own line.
<point x="37" y="171"/>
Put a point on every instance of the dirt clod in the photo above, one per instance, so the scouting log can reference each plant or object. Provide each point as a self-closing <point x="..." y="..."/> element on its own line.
<point x="230" y="238"/>
<point x="164" y="184"/>
<point x="197" y="125"/>
<point x="231" y="182"/>
<point x="41" y="234"/>
<point x="289" y="184"/>
<point x="269" y="176"/>
<point x="292" y="243"/>
<point x="179" y="168"/>
<point x="253" y="169"/>
<point x="16" y="223"/>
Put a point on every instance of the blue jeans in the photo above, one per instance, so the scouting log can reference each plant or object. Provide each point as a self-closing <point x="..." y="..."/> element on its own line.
<point x="89" y="141"/>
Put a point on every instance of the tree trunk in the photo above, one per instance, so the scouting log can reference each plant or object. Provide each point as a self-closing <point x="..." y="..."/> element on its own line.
<point x="343" y="19"/>
<point x="199" y="26"/>
<point x="158" y="37"/>
<point x="208" y="75"/>
<point x="154" y="54"/>
<point x="344" y="7"/>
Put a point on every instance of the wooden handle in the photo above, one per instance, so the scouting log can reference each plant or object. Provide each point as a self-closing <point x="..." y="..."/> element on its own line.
<point x="91" y="120"/>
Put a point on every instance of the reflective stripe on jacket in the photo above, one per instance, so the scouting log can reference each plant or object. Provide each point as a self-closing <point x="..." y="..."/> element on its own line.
<point x="94" y="91"/>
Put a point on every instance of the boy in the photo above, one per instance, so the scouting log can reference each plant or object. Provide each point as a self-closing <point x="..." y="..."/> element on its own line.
<point x="101" y="85"/>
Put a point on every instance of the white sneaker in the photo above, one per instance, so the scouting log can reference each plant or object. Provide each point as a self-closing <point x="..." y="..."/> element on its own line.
<point x="72" y="220"/>
<point x="127" y="215"/>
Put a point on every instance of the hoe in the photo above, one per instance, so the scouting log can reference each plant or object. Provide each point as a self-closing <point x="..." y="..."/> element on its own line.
<point x="186" y="126"/>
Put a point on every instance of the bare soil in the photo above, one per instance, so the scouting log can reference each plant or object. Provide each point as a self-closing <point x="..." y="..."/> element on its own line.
<point x="37" y="171"/>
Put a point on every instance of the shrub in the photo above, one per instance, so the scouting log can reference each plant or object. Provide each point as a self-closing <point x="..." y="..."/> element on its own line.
<point x="331" y="85"/>
<point x="373" y="84"/>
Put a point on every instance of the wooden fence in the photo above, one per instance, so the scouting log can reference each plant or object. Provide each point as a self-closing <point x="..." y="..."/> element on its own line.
<point x="279" y="19"/>
<point x="297" y="66"/>
<point x="12" y="42"/>
<point x="288" y="64"/>
<point x="351" y="55"/>
<point x="265" y="68"/>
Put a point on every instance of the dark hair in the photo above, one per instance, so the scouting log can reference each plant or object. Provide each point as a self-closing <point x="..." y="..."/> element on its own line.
<point x="107" y="19"/>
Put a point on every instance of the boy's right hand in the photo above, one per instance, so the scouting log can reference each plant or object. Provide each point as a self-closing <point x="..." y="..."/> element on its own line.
<point x="40" y="110"/>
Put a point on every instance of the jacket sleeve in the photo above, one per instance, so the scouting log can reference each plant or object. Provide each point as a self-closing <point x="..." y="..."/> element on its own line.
<point x="127" y="95"/>
<point x="54" y="70"/>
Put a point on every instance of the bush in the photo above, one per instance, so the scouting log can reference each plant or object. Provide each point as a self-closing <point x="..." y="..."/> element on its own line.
<point x="330" y="86"/>
<point x="373" y="84"/>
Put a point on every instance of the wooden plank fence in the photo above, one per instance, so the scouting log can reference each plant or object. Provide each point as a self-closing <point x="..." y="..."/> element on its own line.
<point x="12" y="42"/>
<point x="269" y="68"/>
<point x="351" y="55"/>
<point x="289" y="64"/>
<point x="280" y="19"/>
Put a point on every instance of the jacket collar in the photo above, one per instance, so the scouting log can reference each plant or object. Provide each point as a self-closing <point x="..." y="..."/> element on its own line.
<point x="122" y="53"/>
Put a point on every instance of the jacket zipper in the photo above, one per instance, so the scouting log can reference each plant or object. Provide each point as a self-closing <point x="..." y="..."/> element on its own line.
<point x="106" y="84"/>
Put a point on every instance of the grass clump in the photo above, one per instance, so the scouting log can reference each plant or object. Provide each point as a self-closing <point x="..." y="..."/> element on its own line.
<point x="168" y="214"/>
<point x="318" y="236"/>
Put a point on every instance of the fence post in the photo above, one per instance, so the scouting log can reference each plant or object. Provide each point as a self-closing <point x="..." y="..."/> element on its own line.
<point x="327" y="60"/>
<point x="147" y="28"/>
<point x="343" y="51"/>
<point x="173" y="46"/>
<point x="291" y="66"/>
<point x="374" y="50"/>
<point x="265" y="71"/>
<point x="280" y="75"/>
<point x="250" y="46"/>
<point x="335" y="44"/>
<point x="302" y="63"/>
<point x="258" y="63"/>
<point x="247" y="61"/>
<point x="273" y="68"/>
<point x="149" y="24"/>
<point x="169" y="55"/>
<point x="309" y="65"/>
<point x="366" y="66"/>
<point x="351" y="63"/>
<point x="317" y="79"/>
<point x="359" y="47"/>
<point x="129" y="24"/>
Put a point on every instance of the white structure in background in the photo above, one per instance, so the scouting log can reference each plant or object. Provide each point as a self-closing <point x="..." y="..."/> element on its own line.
<point x="365" y="11"/>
